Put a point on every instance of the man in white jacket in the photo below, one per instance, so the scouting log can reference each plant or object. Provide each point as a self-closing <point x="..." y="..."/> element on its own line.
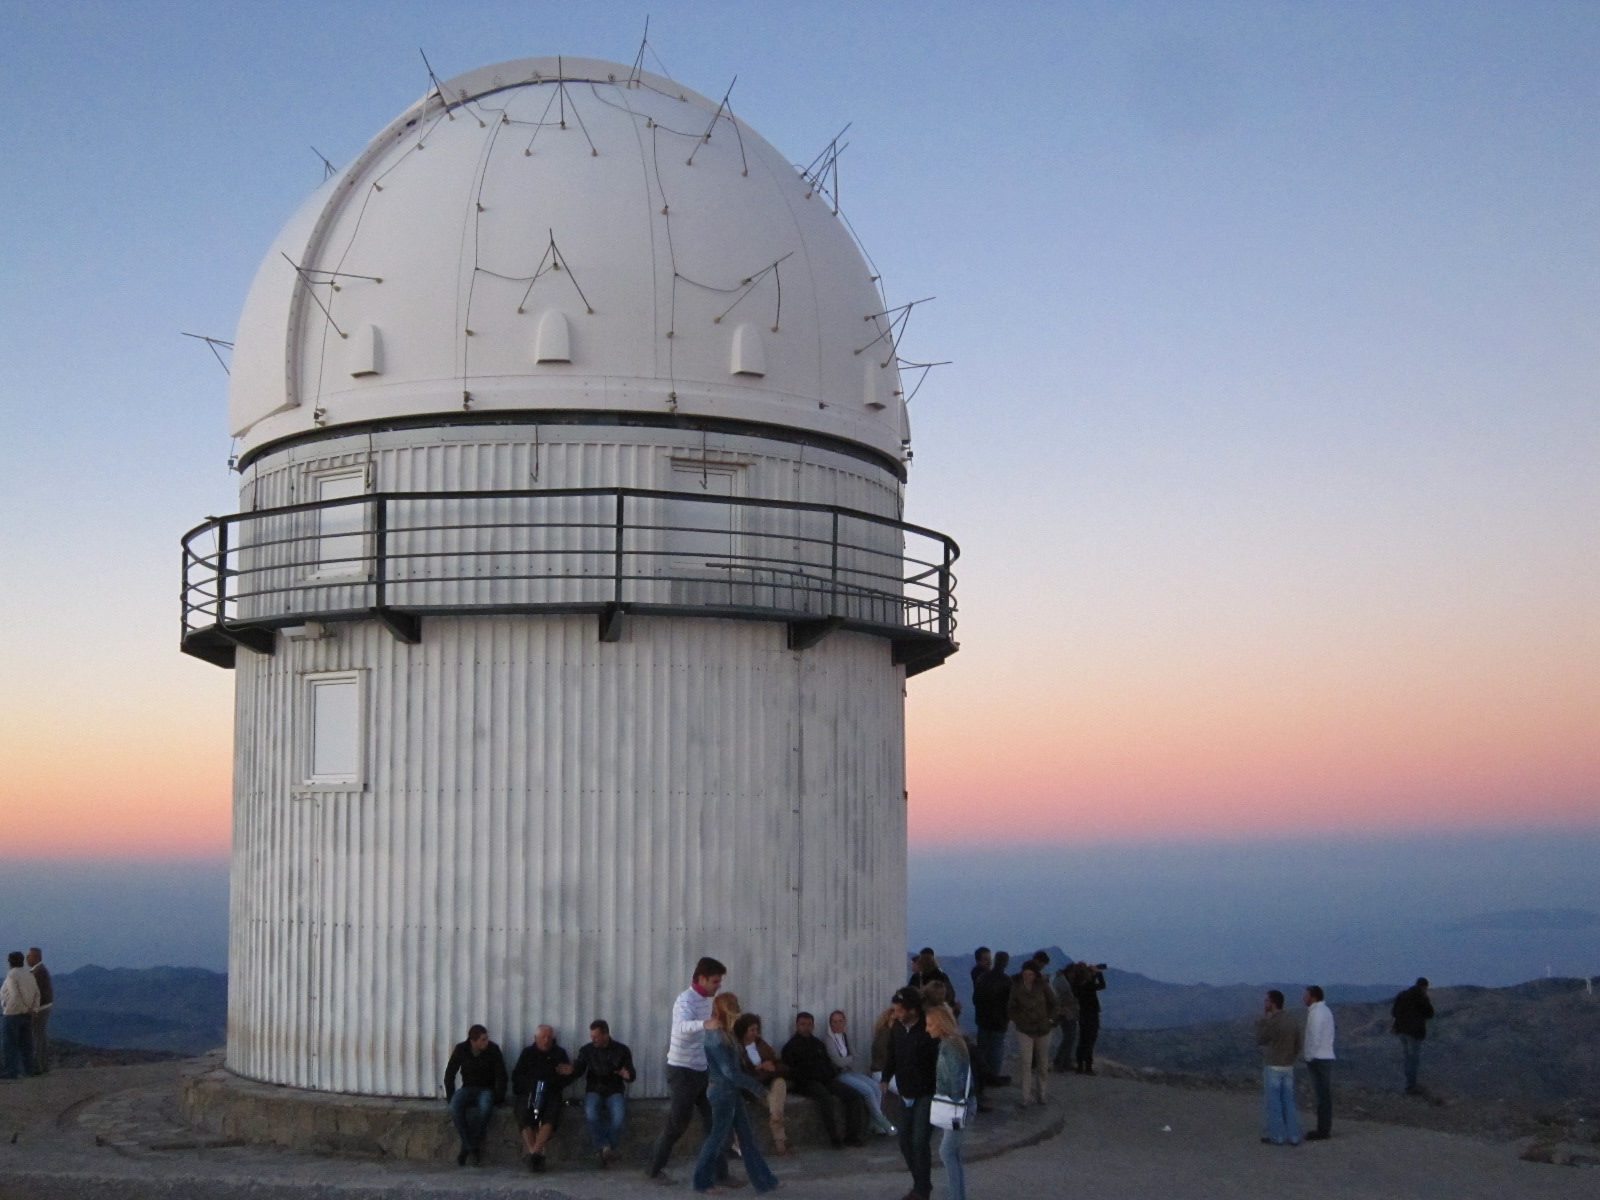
<point x="686" y="1066"/>
<point x="19" y="1000"/>
<point x="1319" y="1060"/>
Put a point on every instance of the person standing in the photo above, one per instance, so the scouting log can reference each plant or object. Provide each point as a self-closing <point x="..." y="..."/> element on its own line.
<point x="41" y="1018"/>
<point x="1412" y="1010"/>
<point x="1066" y="1018"/>
<point x="606" y="1067"/>
<point x="686" y="1065"/>
<point x="483" y="1085"/>
<point x="1282" y="1041"/>
<point x="19" y="1000"/>
<point x="725" y="1080"/>
<point x="982" y="960"/>
<point x="991" y="996"/>
<point x="1087" y="984"/>
<point x="926" y="969"/>
<point x="952" y="1081"/>
<point x="912" y="1064"/>
<point x="1032" y="1009"/>
<point x="1319" y="1060"/>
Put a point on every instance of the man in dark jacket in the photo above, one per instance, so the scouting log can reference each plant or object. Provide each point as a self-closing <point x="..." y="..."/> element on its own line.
<point x="483" y="1085"/>
<point x="1087" y="982"/>
<point x="606" y="1067"/>
<point x="812" y="1074"/>
<point x="542" y="1070"/>
<point x="913" y="1062"/>
<point x="990" y="996"/>
<point x="1412" y="1010"/>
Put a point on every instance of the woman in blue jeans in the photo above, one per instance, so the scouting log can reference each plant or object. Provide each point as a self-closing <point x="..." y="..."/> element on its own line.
<point x="726" y="1080"/>
<point x="953" y="1082"/>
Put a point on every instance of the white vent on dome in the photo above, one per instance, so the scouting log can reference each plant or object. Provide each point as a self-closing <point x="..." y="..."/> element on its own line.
<point x="876" y="384"/>
<point x="365" y="351"/>
<point x="553" y="341"/>
<point x="749" y="355"/>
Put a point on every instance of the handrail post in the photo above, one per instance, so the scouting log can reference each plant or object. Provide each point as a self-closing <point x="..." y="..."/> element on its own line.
<point x="222" y="571"/>
<point x="380" y="553"/>
<point x="944" y="594"/>
<point x="833" y="573"/>
<point x="617" y="552"/>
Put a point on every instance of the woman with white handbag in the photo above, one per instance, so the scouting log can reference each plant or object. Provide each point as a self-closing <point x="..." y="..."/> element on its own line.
<point x="953" y="1098"/>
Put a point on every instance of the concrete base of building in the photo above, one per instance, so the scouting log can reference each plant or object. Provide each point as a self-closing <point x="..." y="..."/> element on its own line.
<point x="218" y="1103"/>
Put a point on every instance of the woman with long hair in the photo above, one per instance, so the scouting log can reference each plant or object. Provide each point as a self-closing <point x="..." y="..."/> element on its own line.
<point x="727" y="1080"/>
<point x="952" y="1081"/>
<point x="771" y="1072"/>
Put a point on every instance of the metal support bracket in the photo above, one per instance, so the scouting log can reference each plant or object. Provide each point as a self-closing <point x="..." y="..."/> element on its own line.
<point x="611" y="623"/>
<point x="406" y="627"/>
<point x="805" y="634"/>
<point x="262" y="641"/>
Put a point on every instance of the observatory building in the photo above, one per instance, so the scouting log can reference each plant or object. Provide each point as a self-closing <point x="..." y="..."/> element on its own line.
<point x="569" y="601"/>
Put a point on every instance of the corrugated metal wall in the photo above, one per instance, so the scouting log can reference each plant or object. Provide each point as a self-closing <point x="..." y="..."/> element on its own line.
<point x="553" y="829"/>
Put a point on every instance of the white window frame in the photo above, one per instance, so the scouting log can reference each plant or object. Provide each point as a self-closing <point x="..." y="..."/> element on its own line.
<point x="343" y="781"/>
<point x="360" y="539"/>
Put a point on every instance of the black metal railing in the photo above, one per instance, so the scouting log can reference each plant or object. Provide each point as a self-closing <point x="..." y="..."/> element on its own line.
<point x="402" y="556"/>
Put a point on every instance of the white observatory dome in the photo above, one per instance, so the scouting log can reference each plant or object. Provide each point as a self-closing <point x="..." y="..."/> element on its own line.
<point x="568" y="235"/>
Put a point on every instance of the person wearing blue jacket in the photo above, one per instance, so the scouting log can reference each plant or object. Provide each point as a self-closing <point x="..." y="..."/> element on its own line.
<point x="727" y="1078"/>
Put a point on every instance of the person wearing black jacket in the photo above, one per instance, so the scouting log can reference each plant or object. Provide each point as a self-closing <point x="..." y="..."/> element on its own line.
<point x="812" y="1074"/>
<point x="1412" y="1010"/>
<point x="1087" y="982"/>
<point x="542" y="1070"/>
<point x="482" y="1069"/>
<point x="606" y="1067"/>
<point x="913" y="1061"/>
<point x="991" y="995"/>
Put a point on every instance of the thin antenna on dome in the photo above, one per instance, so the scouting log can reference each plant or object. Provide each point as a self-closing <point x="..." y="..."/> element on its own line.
<point x="553" y="260"/>
<point x="311" y="290"/>
<point x="715" y="117"/>
<point x="924" y="367"/>
<point x="328" y="169"/>
<point x="438" y="88"/>
<point x="823" y="173"/>
<point x="212" y="343"/>
<point x="895" y="329"/>
<point x="638" y="59"/>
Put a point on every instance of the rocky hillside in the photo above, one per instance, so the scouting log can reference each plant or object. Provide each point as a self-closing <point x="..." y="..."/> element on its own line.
<point x="183" y="1010"/>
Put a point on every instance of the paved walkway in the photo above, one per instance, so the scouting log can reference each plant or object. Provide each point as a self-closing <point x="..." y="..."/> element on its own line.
<point x="101" y="1134"/>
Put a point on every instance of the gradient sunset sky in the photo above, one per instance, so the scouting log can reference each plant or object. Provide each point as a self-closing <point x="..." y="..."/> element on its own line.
<point x="1272" y="437"/>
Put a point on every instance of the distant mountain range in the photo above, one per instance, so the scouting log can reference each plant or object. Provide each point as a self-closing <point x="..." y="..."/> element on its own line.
<point x="1527" y="920"/>
<point x="181" y="1009"/>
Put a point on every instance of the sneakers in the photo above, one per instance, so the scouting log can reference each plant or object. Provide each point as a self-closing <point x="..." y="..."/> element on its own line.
<point x="607" y="1157"/>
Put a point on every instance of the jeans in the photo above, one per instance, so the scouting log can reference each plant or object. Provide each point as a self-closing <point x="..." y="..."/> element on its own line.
<point x="872" y="1094"/>
<point x="1322" y="1081"/>
<point x="728" y="1115"/>
<point x="18" y="1034"/>
<point x="1035" y="1051"/>
<point x="916" y="1143"/>
<point x="1064" y="1052"/>
<point x="687" y="1088"/>
<point x="1282" y="1119"/>
<point x="825" y="1094"/>
<point x="1411" y="1050"/>
<point x="992" y="1050"/>
<point x="469" y="1110"/>
<point x="955" y="1174"/>
<point x="604" y="1114"/>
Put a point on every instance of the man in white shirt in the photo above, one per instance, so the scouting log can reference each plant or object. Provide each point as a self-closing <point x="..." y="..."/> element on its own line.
<point x="1319" y="1060"/>
<point x="19" y="1000"/>
<point x="686" y="1066"/>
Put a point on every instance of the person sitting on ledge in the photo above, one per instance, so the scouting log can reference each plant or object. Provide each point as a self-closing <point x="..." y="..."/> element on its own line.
<point x="837" y="1042"/>
<point x="606" y="1066"/>
<point x="483" y="1085"/>
<point x="541" y="1072"/>
<point x="812" y="1073"/>
<point x="762" y="1061"/>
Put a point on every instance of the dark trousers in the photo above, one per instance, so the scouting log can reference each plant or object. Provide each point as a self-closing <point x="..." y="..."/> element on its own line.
<point x="916" y="1144"/>
<point x="18" y="1047"/>
<point x="687" y="1087"/>
<point x="1411" y="1052"/>
<point x="41" y="1041"/>
<point x="1088" y="1033"/>
<point x="992" y="1051"/>
<point x="470" y="1109"/>
<point x="1068" y="1047"/>
<point x="1322" y="1083"/>
<point x="855" y="1108"/>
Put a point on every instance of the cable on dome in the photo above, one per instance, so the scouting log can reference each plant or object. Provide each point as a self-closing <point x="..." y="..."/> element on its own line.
<point x="438" y="88"/>
<point x="551" y="260"/>
<point x="310" y="285"/>
<point x="907" y="365"/>
<point x="559" y="95"/>
<point x="823" y="172"/>
<point x="744" y="287"/>
<point x="636" y="72"/>
<point x="212" y="344"/>
<point x="895" y="329"/>
<point x="328" y="169"/>
<point x="715" y="117"/>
